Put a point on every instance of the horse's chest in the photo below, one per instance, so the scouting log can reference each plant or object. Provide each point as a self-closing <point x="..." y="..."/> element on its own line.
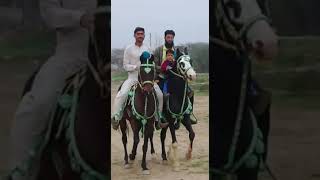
<point x="144" y="104"/>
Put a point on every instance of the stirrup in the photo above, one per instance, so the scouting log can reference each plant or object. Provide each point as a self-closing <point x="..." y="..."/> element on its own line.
<point x="115" y="123"/>
<point x="193" y="119"/>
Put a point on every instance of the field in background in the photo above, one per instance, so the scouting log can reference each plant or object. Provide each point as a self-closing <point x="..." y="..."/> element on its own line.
<point x="200" y="86"/>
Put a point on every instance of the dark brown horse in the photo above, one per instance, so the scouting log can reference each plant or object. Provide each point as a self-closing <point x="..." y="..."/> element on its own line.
<point x="78" y="136"/>
<point x="140" y="111"/>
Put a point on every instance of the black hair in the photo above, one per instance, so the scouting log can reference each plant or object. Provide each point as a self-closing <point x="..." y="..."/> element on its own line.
<point x="138" y="29"/>
<point x="169" y="51"/>
<point x="169" y="32"/>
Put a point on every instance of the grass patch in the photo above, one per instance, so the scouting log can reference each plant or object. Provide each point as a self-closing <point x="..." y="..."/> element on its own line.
<point x="118" y="77"/>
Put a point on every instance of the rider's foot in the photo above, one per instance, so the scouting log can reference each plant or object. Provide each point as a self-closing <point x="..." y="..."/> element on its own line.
<point x="164" y="125"/>
<point x="193" y="119"/>
<point x="157" y="125"/>
<point x="163" y="122"/>
<point x="176" y="125"/>
<point x="115" y="123"/>
<point x="166" y="95"/>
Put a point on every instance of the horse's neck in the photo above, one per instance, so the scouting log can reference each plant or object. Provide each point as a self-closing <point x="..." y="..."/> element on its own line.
<point x="144" y="100"/>
<point x="177" y="87"/>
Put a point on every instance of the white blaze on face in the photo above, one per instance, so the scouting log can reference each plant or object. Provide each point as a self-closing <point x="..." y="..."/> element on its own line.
<point x="186" y="67"/>
<point x="260" y="35"/>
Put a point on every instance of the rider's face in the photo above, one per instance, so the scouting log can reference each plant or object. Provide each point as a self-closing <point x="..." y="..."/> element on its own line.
<point x="169" y="38"/>
<point x="139" y="36"/>
<point x="170" y="57"/>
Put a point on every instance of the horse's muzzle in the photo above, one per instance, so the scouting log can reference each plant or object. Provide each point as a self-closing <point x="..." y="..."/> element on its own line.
<point x="147" y="87"/>
<point x="191" y="75"/>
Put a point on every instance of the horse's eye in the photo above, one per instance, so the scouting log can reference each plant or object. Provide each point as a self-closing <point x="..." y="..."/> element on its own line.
<point x="182" y="65"/>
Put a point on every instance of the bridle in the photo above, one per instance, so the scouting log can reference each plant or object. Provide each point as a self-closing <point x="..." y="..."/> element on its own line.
<point x="147" y="68"/>
<point x="227" y="27"/>
<point x="103" y="66"/>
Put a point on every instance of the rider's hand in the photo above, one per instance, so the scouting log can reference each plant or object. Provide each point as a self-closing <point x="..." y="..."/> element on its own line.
<point x="87" y="21"/>
<point x="168" y="68"/>
<point x="138" y="66"/>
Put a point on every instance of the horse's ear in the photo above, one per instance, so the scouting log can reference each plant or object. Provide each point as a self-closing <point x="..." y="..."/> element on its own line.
<point x="151" y="58"/>
<point x="186" y="50"/>
<point x="178" y="52"/>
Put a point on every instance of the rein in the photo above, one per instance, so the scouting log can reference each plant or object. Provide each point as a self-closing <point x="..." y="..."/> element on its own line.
<point x="188" y="110"/>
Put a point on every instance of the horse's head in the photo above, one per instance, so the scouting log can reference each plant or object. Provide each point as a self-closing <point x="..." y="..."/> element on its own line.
<point x="184" y="64"/>
<point x="249" y="18"/>
<point x="147" y="71"/>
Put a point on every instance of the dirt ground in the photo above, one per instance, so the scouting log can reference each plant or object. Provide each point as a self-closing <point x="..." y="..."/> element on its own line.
<point x="294" y="149"/>
<point x="196" y="168"/>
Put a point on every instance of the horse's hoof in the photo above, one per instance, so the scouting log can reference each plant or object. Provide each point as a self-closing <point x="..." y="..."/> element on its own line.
<point x="176" y="126"/>
<point x="145" y="172"/>
<point x="127" y="166"/>
<point x="189" y="154"/>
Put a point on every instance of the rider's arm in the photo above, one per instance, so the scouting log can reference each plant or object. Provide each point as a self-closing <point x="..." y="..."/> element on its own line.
<point x="126" y="62"/>
<point x="164" y="66"/>
<point x="55" y="16"/>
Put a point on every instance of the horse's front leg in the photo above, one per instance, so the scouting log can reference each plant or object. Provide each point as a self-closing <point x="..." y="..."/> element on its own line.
<point x="187" y="124"/>
<point x="135" y="129"/>
<point x="153" y="153"/>
<point x="163" y="135"/>
<point x="123" y="127"/>
<point x="172" y="153"/>
<point x="173" y="132"/>
<point x="147" y="134"/>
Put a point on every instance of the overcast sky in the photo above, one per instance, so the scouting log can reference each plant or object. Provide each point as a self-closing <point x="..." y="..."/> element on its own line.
<point x="188" y="18"/>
